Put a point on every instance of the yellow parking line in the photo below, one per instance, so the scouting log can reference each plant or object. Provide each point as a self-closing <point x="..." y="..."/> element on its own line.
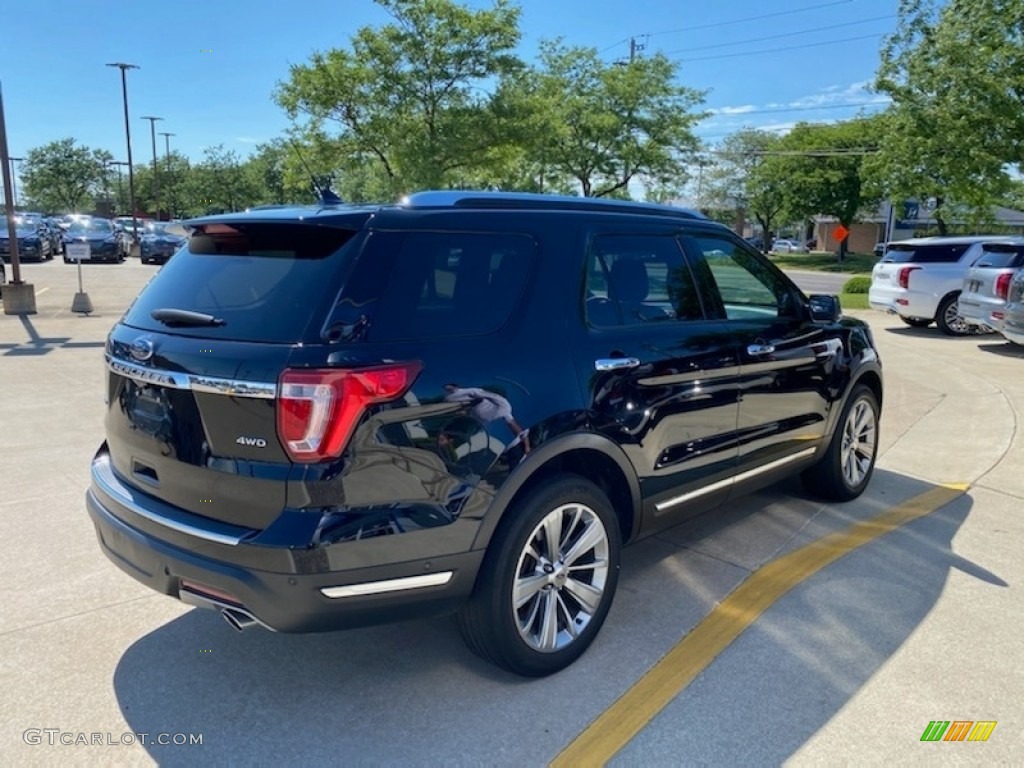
<point x="627" y="716"/>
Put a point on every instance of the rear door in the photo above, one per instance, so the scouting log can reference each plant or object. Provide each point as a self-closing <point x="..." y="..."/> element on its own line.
<point x="194" y="364"/>
<point x="659" y="377"/>
<point x="785" y="359"/>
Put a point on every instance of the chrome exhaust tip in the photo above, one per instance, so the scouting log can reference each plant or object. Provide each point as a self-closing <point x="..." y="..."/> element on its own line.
<point x="238" y="620"/>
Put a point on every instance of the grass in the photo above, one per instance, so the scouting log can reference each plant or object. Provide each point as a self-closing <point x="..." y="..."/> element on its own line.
<point x="854" y="263"/>
<point x="854" y="301"/>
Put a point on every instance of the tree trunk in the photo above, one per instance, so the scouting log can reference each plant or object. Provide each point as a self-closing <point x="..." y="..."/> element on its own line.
<point x="939" y="221"/>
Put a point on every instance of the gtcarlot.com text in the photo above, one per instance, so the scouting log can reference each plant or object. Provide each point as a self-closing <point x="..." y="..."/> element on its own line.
<point x="53" y="737"/>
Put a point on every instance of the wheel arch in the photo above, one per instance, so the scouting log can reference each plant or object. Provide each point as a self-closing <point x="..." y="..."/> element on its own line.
<point x="589" y="455"/>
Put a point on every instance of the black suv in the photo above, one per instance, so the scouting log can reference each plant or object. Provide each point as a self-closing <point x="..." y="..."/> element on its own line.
<point x="328" y="417"/>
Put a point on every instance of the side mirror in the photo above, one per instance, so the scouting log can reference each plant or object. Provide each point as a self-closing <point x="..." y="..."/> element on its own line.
<point x="825" y="308"/>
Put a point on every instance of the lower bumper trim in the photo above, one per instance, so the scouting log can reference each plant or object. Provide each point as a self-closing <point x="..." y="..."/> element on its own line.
<point x="390" y="585"/>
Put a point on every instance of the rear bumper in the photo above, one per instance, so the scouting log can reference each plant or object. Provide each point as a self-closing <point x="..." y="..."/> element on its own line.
<point x="903" y="302"/>
<point x="300" y="598"/>
<point x="987" y="314"/>
<point x="1013" y="325"/>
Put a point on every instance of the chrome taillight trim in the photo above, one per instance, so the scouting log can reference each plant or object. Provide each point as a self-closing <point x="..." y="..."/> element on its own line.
<point x="264" y="390"/>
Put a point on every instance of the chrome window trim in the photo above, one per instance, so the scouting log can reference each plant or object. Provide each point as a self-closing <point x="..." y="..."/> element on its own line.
<point x="264" y="390"/>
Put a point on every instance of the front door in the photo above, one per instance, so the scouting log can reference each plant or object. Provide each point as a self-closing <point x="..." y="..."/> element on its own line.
<point x="786" y="360"/>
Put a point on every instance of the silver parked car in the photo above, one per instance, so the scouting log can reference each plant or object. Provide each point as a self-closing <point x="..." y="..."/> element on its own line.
<point x="987" y="283"/>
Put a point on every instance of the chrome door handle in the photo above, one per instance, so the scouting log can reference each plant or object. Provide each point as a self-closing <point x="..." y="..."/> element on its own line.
<point x="760" y="349"/>
<point x="616" y="363"/>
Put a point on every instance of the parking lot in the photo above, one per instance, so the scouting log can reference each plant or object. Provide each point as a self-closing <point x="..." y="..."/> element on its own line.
<point x="847" y="665"/>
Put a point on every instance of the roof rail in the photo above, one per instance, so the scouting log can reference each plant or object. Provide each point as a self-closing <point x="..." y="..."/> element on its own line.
<point x="532" y="201"/>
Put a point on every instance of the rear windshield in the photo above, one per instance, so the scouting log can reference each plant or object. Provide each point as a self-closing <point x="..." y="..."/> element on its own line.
<point x="265" y="281"/>
<point x="1001" y="255"/>
<point x="946" y="253"/>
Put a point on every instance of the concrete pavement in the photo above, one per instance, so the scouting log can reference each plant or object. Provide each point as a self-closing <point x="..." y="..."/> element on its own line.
<point x="848" y="667"/>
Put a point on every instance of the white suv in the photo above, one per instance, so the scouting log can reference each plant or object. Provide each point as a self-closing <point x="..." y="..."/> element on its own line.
<point x="920" y="280"/>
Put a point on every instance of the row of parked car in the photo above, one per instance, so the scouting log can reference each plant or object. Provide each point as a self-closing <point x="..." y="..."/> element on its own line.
<point x="964" y="285"/>
<point x="41" y="238"/>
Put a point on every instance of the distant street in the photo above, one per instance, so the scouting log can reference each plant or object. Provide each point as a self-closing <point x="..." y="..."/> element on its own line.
<point x="819" y="282"/>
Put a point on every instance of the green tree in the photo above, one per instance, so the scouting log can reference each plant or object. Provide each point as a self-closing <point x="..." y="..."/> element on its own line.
<point x="955" y="72"/>
<point x="744" y="177"/>
<point x="221" y="181"/>
<point x="408" y="96"/>
<point x="64" y="176"/>
<point x="821" y="169"/>
<point x="604" y="126"/>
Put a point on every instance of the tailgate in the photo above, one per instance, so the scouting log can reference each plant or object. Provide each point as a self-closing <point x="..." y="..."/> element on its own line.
<point x="195" y="426"/>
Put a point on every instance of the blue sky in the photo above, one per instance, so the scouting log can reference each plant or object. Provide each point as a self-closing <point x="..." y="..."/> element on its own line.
<point x="209" y="67"/>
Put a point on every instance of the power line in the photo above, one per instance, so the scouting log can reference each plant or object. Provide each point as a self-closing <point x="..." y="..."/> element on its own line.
<point x="733" y="21"/>
<point x="825" y="28"/>
<point x="784" y="48"/>
<point x="803" y="109"/>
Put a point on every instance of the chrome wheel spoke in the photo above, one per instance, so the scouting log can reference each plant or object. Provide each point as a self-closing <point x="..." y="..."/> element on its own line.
<point x="526" y="587"/>
<point x="552" y="531"/>
<point x="592" y="535"/>
<point x="548" y="639"/>
<point x="570" y="622"/>
<point x="588" y="596"/>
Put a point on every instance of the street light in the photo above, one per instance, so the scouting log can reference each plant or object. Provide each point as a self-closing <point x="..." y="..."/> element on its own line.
<point x="120" y="179"/>
<point x="156" y="173"/>
<point x="14" y="179"/>
<point x="167" y="158"/>
<point x="128" y="139"/>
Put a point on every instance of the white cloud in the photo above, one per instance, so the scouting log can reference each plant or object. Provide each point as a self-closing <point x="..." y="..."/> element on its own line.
<point x="247" y="140"/>
<point x="835" y="94"/>
<point x="739" y="110"/>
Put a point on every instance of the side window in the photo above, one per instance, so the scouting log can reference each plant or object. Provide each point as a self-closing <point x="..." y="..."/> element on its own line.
<point x="939" y="254"/>
<point x="749" y="289"/>
<point x="638" y="279"/>
<point x="419" y="285"/>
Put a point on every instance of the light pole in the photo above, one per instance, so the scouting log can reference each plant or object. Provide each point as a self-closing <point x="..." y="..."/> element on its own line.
<point x="167" y="160"/>
<point x="156" y="173"/>
<point x="120" y="180"/>
<point x="14" y="180"/>
<point x="128" y="139"/>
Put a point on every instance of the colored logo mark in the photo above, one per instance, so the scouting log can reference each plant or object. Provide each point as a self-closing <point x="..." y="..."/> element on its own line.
<point x="958" y="730"/>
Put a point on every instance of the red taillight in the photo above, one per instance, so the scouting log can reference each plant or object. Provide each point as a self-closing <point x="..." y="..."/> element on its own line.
<point x="904" y="276"/>
<point x="1003" y="285"/>
<point x="317" y="410"/>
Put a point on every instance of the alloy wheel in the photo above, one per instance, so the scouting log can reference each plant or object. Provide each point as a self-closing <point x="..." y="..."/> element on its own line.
<point x="560" y="577"/>
<point x="860" y="438"/>
<point x="953" y="320"/>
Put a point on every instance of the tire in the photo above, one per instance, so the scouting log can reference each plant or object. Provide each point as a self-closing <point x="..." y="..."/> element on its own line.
<point x="520" y="640"/>
<point x="827" y="477"/>
<point x="916" y="322"/>
<point x="946" y="318"/>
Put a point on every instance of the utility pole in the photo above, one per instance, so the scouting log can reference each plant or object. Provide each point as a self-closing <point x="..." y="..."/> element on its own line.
<point x="156" y="173"/>
<point x="167" y="160"/>
<point x="19" y="297"/>
<point x="635" y="48"/>
<point x="128" y="138"/>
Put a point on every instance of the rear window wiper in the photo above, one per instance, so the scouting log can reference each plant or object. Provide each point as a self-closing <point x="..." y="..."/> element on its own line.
<point x="179" y="317"/>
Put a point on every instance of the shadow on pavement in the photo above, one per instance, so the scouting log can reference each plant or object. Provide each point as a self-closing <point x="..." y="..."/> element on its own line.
<point x="1006" y="349"/>
<point x="411" y="693"/>
<point x="42" y="345"/>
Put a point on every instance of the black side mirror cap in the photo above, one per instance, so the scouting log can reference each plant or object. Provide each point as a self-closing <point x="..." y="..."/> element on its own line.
<point x="825" y="308"/>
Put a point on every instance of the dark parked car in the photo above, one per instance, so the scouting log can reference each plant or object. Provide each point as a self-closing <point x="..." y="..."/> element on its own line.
<point x="33" y="238"/>
<point x="103" y="239"/>
<point x="333" y="416"/>
<point x="160" y="240"/>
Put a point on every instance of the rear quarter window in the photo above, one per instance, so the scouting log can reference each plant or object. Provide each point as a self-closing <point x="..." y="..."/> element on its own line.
<point x="424" y="285"/>
<point x="265" y="281"/>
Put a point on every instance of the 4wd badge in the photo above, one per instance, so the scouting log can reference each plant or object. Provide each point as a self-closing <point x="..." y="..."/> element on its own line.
<point x="255" y="442"/>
